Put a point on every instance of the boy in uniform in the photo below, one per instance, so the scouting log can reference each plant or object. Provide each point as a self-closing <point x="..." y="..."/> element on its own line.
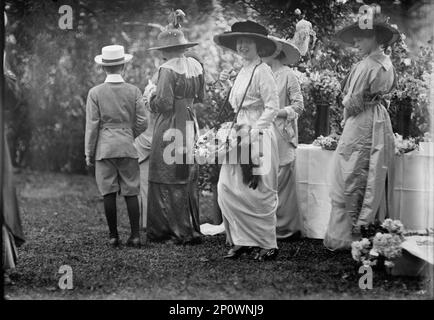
<point x="115" y="115"/>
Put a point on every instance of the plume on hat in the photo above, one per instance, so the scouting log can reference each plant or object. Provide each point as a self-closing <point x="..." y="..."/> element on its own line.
<point x="303" y="34"/>
<point x="171" y="36"/>
<point x="175" y="17"/>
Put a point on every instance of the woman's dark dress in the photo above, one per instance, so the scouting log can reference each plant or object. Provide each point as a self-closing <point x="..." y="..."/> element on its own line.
<point x="173" y="198"/>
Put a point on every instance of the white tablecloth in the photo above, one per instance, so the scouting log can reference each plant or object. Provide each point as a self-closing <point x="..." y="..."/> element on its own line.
<point x="312" y="169"/>
<point x="413" y="201"/>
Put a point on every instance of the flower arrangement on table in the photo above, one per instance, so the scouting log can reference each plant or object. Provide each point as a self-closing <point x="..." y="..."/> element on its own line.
<point x="404" y="145"/>
<point x="427" y="137"/>
<point x="327" y="143"/>
<point x="379" y="243"/>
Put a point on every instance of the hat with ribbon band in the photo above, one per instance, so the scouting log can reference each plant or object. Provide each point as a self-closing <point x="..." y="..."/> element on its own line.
<point x="113" y="55"/>
<point x="384" y="32"/>
<point x="266" y="47"/>
<point x="172" y="37"/>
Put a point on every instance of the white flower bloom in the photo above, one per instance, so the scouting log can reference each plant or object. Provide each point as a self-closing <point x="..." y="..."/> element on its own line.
<point x="389" y="264"/>
<point x="407" y="61"/>
<point x="373" y="253"/>
<point x="365" y="242"/>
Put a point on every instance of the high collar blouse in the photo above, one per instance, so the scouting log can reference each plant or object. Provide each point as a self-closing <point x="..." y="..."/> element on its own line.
<point x="373" y="75"/>
<point x="261" y="104"/>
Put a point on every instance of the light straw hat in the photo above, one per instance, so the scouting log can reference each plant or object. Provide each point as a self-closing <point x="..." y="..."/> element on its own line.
<point x="113" y="55"/>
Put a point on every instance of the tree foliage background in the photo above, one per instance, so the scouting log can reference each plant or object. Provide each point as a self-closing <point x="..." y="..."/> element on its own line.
<point x="55" y="68"/>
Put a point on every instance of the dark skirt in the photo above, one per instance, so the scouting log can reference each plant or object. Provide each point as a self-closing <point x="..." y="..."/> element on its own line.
<point x="11" y="214"/>
<point x="173" y="212"/>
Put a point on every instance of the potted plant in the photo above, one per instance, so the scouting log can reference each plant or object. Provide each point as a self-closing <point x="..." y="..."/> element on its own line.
<point x="324" y="88"/>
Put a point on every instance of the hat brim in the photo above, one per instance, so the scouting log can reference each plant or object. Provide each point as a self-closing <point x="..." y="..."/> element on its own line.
<point x="229" y="40"/>
<point x="184" y="45"/>
<point x="291" y="53"/>
<point x="388" y="35"/>
<point x="127" y="58"/>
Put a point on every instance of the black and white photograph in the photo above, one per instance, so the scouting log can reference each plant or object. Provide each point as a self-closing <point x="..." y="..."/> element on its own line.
<point x="222" y="152"/>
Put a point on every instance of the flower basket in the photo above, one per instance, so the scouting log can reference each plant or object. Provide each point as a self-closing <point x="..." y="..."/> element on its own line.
<point x="417" y="257"/>
<point x="380" y="245"/>
<point x="409" y="265"/>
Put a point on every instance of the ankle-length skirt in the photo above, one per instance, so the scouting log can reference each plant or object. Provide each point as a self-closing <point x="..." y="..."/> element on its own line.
<point x="173" y="211"/>
<point x="249" y="215"/>
<point x="362" y="176"/>
<point x="288" y="216"/>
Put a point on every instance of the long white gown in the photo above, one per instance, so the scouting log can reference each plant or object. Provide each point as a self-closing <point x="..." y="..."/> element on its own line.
<point x="249" y="215"/>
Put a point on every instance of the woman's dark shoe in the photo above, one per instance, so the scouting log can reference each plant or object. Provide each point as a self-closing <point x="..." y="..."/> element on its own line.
<point x="114" y="242"/>
<point x="134" y="242"/>
<point x="193" y="241"/>
<point x="266" y="254"/>
<point x="237" y="251"/>
<point x="293" y="237"/>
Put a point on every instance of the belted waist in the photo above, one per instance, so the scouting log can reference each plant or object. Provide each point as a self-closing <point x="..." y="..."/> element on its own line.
<point x="112" y="125"/>
<point x="253" y="107"/>
<point x="376" y="100"/>
<point x="358" y="103"/>
<point x="184" y="99"/>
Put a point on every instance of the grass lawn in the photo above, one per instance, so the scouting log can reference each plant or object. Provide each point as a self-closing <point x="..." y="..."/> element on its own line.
<point x="64" y="224"/>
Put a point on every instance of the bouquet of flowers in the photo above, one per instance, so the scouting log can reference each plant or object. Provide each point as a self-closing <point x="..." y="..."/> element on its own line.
<point x="379" y="242"/>
<point x="327" y="143"/>
<point x="404" y="145"/>
<point x="215" y="143"/>
<point x="150" y="89"/>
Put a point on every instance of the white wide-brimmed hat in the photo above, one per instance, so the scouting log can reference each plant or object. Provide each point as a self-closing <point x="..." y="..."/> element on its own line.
<point x="290" y="51"/>
<point x="112" y="56"/>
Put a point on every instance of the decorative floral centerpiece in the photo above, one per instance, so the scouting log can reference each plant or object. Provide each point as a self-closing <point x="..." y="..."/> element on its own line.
<point x="427" y="137"/>
<point x="379" y="243"/>
<point x="404" y="145"/>
<point x="328" y="143"/>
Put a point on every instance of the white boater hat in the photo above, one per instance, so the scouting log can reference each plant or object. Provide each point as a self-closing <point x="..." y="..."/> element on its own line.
<point x="112" y="56"/>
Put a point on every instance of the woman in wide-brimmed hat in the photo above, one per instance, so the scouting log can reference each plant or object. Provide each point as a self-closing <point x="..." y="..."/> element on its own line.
<point x="363" y="162"/>
<point x="249" y="211"/>
<point x="173" y="202"/>
<point x="291" y="106"/>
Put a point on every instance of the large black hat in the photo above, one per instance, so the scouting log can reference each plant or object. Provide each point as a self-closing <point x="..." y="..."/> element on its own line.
<point x="266" y="47"/>
<point x="385" y="33"/>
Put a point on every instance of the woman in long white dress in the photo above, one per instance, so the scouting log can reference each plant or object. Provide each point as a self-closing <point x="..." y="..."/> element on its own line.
<point x="249" y="214"/>
<point x="291" y="106"/>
